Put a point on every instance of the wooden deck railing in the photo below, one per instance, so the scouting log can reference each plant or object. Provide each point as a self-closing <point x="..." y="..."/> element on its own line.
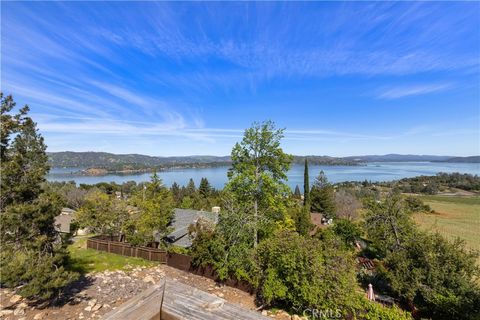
<point x="172" y="300"/>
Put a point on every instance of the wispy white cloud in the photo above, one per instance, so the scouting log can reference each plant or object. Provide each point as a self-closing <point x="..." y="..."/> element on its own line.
<point x="412" y="90"/>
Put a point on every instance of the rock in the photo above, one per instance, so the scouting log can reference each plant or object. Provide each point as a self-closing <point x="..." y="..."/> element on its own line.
<point x="92" y="302"/>
<point x="148" y="279"/>
<point x="88" y="308"/>
<point x="19" y="312"/>
<point x="264" y="313"/>
<point x="22" y="318"/>
<point x="39" y="316"/>
<point x="219" y="294"/>
<point x="96" y="307"/>
<point x="15" y="298"/>
<point x="296" y="317"/>
<point x="5" y="313"/>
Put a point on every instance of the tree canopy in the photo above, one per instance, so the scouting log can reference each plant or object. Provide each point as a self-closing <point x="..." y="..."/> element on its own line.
<point x="33" y="254"/>
<point x="258" y="174"/>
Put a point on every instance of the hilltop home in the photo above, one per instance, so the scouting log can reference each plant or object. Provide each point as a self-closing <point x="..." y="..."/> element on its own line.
<point x="64" y="220"/>
<point x="183" y="218"/>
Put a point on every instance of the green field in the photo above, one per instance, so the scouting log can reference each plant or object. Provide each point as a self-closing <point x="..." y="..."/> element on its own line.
<point x="88" y="260"/>
<point x="455" y="216"/>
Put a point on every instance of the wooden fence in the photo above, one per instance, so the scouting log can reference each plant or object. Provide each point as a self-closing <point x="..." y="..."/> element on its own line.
<point x="175" y="260"/>
<point x="104" y="244"/>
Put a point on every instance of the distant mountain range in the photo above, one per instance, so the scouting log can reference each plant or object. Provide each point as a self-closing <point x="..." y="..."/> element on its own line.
<point x="398" y="158"/>
<point x="413" y="158"/>
<point x="129" y="162"/>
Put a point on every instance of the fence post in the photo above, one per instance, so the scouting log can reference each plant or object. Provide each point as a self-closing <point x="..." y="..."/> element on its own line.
<point x="108" y="247"/>
<point x="123" y="249"/>
<point x="149" y="255"/>
<point x="97" y="244"/>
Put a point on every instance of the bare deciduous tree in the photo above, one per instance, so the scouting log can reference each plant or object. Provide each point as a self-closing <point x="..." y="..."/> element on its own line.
<point x="346" y="205"/>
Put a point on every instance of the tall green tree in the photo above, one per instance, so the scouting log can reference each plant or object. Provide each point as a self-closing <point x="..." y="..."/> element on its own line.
<point x="306" y="186"/>
<point x="303" y="222"/>
<point x="297" y="194"/>
<point x="388" y="224"/>
<point x="322" y="196"/>
<point x="205" y="189"/>
<point x="190" y="189"/>
<point x="155" y="212"/>
<point x="102" y="214"/>
<point x="258" y="174"/>
<point x="32" y="254"/>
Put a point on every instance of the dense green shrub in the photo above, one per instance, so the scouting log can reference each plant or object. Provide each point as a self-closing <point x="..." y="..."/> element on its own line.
<point x="415" y="204"/>
<point x="438" y="276"/>
<point x="368" y="310"/>
<point x="425" y="270"/>
<point x="347" y="230"/>
<point x="300" y="273"/>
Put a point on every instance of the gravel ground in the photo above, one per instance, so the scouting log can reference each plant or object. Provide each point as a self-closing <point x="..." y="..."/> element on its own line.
<point x="96" y="294"/>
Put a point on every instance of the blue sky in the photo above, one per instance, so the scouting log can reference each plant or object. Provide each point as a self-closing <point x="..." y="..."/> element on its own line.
<point x="183" y="78"/>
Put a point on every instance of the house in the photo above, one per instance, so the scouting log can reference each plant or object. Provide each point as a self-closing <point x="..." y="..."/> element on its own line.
<point x="319" y="222"/>
<point x="183" y="218"/>
<point x="64" y="220"/>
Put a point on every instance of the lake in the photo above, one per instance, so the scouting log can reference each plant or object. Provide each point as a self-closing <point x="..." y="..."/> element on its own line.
<point x="373" y="171"/>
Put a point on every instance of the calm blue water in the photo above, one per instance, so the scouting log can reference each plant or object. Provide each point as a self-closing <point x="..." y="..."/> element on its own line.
<point x="374" y="171"/>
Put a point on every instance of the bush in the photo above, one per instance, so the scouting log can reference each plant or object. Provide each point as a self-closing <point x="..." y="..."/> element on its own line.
<point x="301" y="273"/>
<point x="368" y="310"/>
<point x="438" y="276"/>
<point x="414" y="204"/>
<point x="40" y="276"/>
<point x="347" y="230"/>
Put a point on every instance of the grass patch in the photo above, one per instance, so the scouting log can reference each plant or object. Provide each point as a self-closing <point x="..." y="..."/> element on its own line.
<point x="455" y="216"/>
<point x="85" y="260"/>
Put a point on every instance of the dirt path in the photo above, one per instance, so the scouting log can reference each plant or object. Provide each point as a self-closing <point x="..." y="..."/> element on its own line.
<point x="98" y="293"/>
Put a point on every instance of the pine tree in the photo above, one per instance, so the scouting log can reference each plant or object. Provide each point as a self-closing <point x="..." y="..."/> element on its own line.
<point x="322" y="196"/>
<point x="205" y="189"/>
<point x="297" y="194"/>
<point x="176" y="192"/>
<point x="32" y="252"/>
<point x="191" y="189"/>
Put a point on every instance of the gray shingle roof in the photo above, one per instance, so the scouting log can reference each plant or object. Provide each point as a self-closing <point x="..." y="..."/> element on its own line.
<point x="62" y="222"/>
<point x="183" y="218"/>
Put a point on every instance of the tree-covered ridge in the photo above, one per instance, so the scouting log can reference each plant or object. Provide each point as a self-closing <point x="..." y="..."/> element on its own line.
<point x="118" y="162"/>
<point x="435" y="184"/>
